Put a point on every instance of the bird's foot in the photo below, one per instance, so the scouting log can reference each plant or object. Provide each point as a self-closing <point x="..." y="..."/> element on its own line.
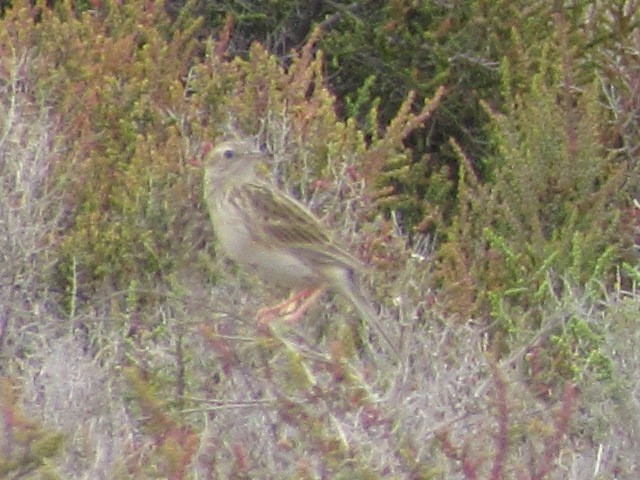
<point x="292" y="309"/>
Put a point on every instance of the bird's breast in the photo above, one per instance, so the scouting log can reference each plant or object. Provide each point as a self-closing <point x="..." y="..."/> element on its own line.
<point x="271" y="262"/>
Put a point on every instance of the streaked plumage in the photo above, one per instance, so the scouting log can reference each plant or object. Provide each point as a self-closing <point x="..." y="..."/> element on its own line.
<point x="261" y="227"/>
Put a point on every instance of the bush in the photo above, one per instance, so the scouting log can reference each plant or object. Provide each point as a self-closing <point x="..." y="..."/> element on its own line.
<point x="130" y="336"/>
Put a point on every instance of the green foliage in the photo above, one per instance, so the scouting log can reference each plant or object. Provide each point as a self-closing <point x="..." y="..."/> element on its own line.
<point x="616" y="56"/>
<point x="511" y="166"/>
<point x="391" y="48"/>
<point x="28" y="448"/>
<point x="401" y="182"/>
<point x="135" y="104"/>
<point x="175" y="442"/>
<point x="547" y="212"/>
<point x="548" y="218"/>
<point x="117" y="77"/>
<point x="579" y="348"/>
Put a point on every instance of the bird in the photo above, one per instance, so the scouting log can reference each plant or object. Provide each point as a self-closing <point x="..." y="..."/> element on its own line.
<point x="264" y="229"/>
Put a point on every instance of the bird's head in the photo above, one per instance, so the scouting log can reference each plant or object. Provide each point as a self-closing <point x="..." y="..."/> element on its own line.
<point x="232" y="161"/>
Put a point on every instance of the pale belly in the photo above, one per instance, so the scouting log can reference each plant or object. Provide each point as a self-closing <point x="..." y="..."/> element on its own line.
<point x="271" y="264"/>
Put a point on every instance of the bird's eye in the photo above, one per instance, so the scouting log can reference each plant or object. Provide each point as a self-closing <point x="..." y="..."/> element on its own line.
<point x="228" y="154"/>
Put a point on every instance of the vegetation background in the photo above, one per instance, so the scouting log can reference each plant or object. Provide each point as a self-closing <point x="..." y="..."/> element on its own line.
<point x="482" y="156"/>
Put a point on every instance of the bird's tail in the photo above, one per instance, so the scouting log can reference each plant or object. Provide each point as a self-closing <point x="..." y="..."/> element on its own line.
<point x="348" y="288"/>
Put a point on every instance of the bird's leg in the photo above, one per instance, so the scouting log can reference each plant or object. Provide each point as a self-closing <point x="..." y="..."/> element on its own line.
<point x="266" y="314"/>
<point x="304" y="299"/>
<point x="311" y="297"/>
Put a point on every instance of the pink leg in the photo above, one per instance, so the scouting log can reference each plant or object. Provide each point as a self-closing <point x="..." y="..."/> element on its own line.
<point x="304" y="299"/>
<point x="294" y="316"/>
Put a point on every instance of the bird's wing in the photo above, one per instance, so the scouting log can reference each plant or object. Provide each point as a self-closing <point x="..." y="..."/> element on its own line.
<point x="277" y="219"/>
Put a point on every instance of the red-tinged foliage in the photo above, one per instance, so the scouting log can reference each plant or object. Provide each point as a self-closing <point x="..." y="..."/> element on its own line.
<point x="120" y="99"/>
<point x="27" y="447"/>
<point x="175" y="442"/>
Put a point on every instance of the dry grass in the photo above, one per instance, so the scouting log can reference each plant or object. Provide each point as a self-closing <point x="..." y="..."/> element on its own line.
<point x="300" y="401"/>
<point x="191" y="388"/>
